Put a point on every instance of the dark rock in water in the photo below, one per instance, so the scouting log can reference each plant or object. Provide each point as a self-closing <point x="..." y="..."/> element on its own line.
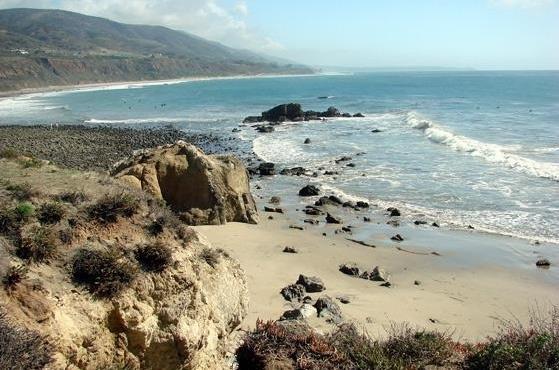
<point x="330" y="173"/>
<point x="252" y="119"/>
<point x="265" y="129"/>
<point x="346" y="115"/>
<point x="358" y="115"/>
<point x="544" y="262"/>
<point x="335" y="199"/>
<point x="350" y="269"/>
<point x="322" y="97"/>
<point x="419" y="222"/>
<point x="393" y="212"/>
<point x="312" y="284"/>
<point x="327" y="307"/>
<point x="293" y="292"/>
<point x="323" y="201"/>
<point x="311" y="211"/>
<point x="267" y="169"/>
<point x="309" y="191"/>
<point x="307" y="141"/>
<point x="350" y="165"/>
<point x="470" y="227"/>
<point x="346" y="229"/>
<point x="362" y="204"/>
<point x="394" y="223"/>
<point x="366" y="219"/>
<point x="348" y="204"/>
<point x="236" y="130"/>
<point x="311" y="221"/>
<point x="397" y="238"/>
<point x="295" y="171"/>
<point x="282" y="112"/>
<point x="332" y="220"/>
<point x="343" y="159"/>
<point x="434" y="224"/>
<point x="275" y="200"/>
<point x="331" y="112"/>
<point x="376" y="131"/>
<point x="290" y="250"/>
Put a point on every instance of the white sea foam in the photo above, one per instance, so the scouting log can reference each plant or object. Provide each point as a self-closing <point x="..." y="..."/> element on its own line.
<point x="490" y="152"/>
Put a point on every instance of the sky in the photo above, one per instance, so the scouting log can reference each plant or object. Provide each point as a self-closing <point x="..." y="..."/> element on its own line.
<point x="480" y="34"/>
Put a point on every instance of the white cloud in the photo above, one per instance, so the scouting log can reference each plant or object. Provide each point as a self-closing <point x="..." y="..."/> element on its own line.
<point x="206" y="18"/>
<point x="241" y="8"/>
<point x="523" y="3"/>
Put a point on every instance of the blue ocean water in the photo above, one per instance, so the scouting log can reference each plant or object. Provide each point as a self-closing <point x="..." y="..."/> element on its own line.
<point x="461" y="148"/>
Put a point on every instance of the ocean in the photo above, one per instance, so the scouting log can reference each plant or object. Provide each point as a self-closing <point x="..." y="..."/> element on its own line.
<point x="462" y="149"/>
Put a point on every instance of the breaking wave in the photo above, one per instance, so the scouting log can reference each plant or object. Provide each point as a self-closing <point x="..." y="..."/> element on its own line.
<point x="490" y="152"/>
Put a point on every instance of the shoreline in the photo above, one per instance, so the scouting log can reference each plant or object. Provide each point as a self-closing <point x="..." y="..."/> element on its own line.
<point x="134" y="84"/>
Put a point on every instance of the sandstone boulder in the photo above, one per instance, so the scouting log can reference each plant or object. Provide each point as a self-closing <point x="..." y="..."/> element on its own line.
<point x="204" y="189"/>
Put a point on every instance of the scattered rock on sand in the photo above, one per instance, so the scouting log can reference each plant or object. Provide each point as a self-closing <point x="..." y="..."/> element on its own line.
<point x="295" y="171"/>
<point x="309" y="191"/>
<point x="344" y="299"/>
<point x="296" y="227"/>
<point x="271" y="209"/>
<point x="417" y="282"/>
<point x="362" y="204"/>
<point x="275" y="200"/>
<point x="311" y="211"/>
<point x="378" y="274"/>
<point x="312" y="284"/>
<point x="311" y="221"/>
<point x="394" y="223"/>
<point x="350" y="269"/>
<point x="544" y="262"/>
<point x="295" y="314"/>
<point x="327" y="307"/>
<point x="420" y="222"/>
<point x="397" y="238"/>
<point x="332" y="220"/>
<point x="293" y="292"/>
<point x="290" y="250"/>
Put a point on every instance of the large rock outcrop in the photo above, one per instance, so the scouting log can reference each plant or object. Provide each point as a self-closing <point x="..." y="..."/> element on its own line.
<point x="204" y="189"/>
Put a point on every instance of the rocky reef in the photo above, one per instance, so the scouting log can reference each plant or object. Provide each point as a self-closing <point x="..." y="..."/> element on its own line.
<point x="293" y="112"/>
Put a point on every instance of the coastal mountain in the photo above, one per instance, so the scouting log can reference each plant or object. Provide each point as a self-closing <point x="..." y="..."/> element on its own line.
<point x="54" y="47"/>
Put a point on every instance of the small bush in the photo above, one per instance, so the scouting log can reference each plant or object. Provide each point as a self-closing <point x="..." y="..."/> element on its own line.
<point x="21" y="348"/>
<point x="38" y="244"/>
<point x="8" y="153"/>
<point x="110" y="207"/>
<point x="31" y="162"/>
<point x="9" y="222"/>
<point x="103" y="273"/>
<point x="66" y="235"/>
<point x="22" y="191"/>
<point x="534" y="346"/>
<point x="14" y="276"/>
<point x="418" y="348"/>
<point x="24" y="211"/>
<point x="73" y="197"/>
<point x="51" y="213"/>
<point x="154" y="257"/>
<point x="210" y="256"/>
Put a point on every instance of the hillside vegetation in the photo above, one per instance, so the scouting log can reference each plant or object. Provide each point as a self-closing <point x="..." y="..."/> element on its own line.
<point x="54" y="47"/>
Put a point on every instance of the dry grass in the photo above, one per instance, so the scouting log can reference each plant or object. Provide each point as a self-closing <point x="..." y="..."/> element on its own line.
<point x="154" y="257"/>
<point x="210" y="256"/>
<point x="14" y="276"/>
<point x="38" y="244"/>
<point x="8" y="153"/>
<point x="22" y="349"/>
<point x="110" y="207"/>
<point x="104" y="273"/>
<point x="51" y="213"/>
<point x="22" y="191"/>
<point x="73" y="197"/>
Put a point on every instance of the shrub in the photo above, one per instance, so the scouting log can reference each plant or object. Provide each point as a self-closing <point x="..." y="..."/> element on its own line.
<point x="418" y="348"/>
<point x="154" y="257"/>
<point x="103" y="273"/>
<point x="38" y="244"/>
<point x="14" y="276"/>
<point x="51" y="213"/>
<point x="110" y="207"/>
<point x="534" y="346"/>
<point x="72" y="197"/>
<point x="21" y="348"/>
<point x="210" y="256"/>
<point x="24" y="211"/>
<point x="8" y="153"/>
<point x="31" y="162"/>
<point x="9" y="223"/>
<point x="22" y="191"/>
<point x="66" y="235"/>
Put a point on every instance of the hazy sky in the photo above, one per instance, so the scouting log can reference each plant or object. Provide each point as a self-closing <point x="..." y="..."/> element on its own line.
<point x="485" y="34"/>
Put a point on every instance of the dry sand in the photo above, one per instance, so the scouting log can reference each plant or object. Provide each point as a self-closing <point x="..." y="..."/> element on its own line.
<point x="465" y="298"/>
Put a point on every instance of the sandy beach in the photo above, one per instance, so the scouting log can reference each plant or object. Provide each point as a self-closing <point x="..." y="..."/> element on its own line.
<point x="456" y="293"/>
